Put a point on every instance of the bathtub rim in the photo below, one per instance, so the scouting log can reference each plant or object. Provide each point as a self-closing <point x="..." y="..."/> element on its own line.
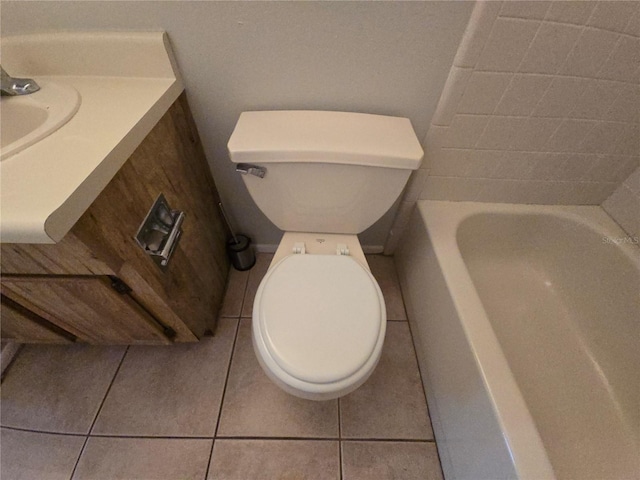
<point x="442" y="220"/>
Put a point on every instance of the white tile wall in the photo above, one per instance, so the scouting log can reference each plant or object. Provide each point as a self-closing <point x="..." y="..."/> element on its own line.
<point x="475" y="36"/>
<point x="525" y="9"/>
<point x="625" y="108"/>
<point x="590" y="52"/>
<point x="633" y="27"/>
<point x="597" y="99"/>
<point x="570" y="12"/>
<point x="535" y="134"/>
<point x="624" y="204"/>
<point x="465" y="131"/>
<point x="483" y="92"/>
<point x="612" y="16"/>
<point x="622" y="64"/>
<point x="550" y="47"/>
<point x="550" y="96"/>
<point x="507" y="44"/>
<point x="456" y="84"/>
<point x="561" y="97"/>
<point x="542" y="106"/>
<point x="523" y="94"/>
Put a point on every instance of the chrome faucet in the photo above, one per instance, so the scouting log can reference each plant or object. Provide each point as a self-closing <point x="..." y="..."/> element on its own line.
<point x="16" y="86"/>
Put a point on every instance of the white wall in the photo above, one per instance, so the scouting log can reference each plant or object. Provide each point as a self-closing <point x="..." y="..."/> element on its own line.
<point x="377" y="57"/>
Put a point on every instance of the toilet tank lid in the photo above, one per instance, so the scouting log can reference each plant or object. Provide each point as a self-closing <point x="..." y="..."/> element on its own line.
<point x="306" y="136"/>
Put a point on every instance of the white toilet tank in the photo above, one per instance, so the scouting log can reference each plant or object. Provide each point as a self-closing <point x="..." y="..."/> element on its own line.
<point x="329" y="172"/>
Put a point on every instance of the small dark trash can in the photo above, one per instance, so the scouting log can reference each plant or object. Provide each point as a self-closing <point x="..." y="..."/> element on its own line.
<point x="241" y="252"/>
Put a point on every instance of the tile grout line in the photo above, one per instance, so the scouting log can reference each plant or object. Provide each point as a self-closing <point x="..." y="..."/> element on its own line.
<point x="543" y="74"/>
<point x="340" y="440"/>
<point x="542" y="117"/>
<point x="226" y="379"/>
<point x="244" y="291"/>
<point x="95" y="419"/>
<point x="225" y="437"/>
<point x="224" y="389"/>
<point x="45" y="432"/>
<point x="524" y="180"/>
<point x="330" y="439"/>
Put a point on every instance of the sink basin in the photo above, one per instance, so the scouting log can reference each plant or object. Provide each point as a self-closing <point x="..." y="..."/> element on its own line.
<point x="27" y="119"/>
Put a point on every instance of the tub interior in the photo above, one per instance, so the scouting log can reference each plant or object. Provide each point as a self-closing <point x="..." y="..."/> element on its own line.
<point x="564" y="304"/>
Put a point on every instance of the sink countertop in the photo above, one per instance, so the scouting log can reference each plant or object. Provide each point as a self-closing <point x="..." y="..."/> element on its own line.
<point x="47" y="187"/>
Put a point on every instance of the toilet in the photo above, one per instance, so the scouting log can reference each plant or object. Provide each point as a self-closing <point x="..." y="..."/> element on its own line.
<point x="319" y="317"/>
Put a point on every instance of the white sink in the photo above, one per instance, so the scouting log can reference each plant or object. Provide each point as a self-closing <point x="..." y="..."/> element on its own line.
<point x="49" y="177"/>
<point x="27" y="119"/>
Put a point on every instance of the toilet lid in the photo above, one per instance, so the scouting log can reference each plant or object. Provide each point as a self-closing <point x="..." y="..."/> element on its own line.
<point x="320" y="316"/>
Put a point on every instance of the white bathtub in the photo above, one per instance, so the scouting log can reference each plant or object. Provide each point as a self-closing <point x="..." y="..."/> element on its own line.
<point x="526" y="321"/>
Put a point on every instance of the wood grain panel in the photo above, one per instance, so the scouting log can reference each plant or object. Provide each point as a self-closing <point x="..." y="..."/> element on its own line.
<point x="68" y="257"/>
<point x="169" y="161"/>
<point x="86" y="307"/>
<point x="156" y="305"/>
<point x="23" y="326"/>
<point x="188" y="295"/>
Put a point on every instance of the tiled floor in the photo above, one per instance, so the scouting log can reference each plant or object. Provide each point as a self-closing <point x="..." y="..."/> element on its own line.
<point x="207" y="411"/>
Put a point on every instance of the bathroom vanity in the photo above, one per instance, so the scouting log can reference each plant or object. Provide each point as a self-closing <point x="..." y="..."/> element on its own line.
<point x="75" y="272"/>
<point x="97" y="285"/>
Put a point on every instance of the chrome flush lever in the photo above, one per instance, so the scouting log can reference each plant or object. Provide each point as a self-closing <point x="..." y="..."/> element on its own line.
<point x="247" y="168"/>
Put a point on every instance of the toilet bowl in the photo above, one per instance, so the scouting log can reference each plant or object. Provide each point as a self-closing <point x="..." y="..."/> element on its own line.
<point x="319" y="318"/>
<point x="318" y="324"/>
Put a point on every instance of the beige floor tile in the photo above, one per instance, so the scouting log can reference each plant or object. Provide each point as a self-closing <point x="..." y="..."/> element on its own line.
<point x="384" y="271"/>
<point x="274" y="459"/>
<point x="169" y="391"/>
<point x="263" y="260"/>
<point x="30" y="455"/>
<point x="255" y="407"/>
<point x="391" y="404"/>
<point x="58" y="388"/>
<point x="234" y="294"/>
<point x="143" y="458"/>
<point x="390" y="461"/>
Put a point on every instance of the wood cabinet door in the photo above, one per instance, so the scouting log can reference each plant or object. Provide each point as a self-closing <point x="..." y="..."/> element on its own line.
<point x="23" y="326"/>
<point x="87" y="307"/>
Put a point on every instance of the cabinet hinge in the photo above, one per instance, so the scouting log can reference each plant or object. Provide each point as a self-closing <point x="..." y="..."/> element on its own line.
<point x="123" y="289"/>
<point x="119" y="286"/>
<point x="169" y="332"/>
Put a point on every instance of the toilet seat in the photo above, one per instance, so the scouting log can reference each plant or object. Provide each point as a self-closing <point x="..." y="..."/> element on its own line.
<point x="318" y="324"/>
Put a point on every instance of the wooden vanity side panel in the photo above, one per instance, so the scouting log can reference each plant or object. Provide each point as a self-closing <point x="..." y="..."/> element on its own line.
<point x="87" y="307"/>
<point x="23" y="326"/>
<point x="68" y="257"/>
<point x="170" y="161"/>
